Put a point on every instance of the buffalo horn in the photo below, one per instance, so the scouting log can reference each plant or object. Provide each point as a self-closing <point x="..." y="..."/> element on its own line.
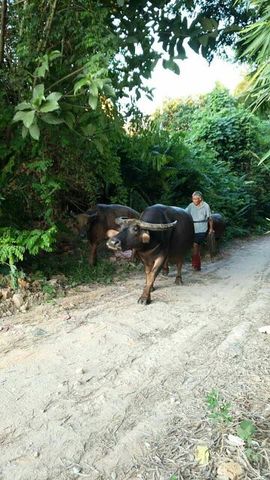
<point x="126" y="221"/>
<point x="142" y="224"/>
<point x="156" y="226"/>
<point x="91" y="214"/>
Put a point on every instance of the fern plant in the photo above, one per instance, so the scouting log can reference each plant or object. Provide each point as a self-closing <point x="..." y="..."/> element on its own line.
<point x="14" y="244"/>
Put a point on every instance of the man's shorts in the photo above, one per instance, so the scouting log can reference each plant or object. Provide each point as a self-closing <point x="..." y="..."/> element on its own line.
<point x="200" y="238"/>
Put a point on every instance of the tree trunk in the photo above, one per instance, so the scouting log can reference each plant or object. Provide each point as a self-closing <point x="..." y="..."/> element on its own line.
<point x="3" y="30"/>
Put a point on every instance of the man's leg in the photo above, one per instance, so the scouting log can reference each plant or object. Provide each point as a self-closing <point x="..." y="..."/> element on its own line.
<point x="196" y="257"/>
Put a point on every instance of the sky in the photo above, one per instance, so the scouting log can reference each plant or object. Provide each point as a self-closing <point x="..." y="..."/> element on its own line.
<point x="196" y="77"/>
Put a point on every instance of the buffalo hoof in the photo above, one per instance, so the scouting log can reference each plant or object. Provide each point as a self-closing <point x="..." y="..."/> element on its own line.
<point x="178" y="281"/>
<point x="144" y="300"/>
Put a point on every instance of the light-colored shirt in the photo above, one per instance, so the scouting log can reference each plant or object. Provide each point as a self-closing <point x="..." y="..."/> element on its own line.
<point x="200" y="215"/>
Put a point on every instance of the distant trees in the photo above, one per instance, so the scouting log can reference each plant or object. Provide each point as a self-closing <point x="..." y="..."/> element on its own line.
<point x="223" y="143"/>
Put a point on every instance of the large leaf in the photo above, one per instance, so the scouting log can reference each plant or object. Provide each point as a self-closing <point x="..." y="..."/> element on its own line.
<point x="26" y="117"/>
<point x="94" y="89"/>
<point x="204" y="40"/>
<point x="23" y="106"/>
<point x="43" y="68"/>
<point x="194" y="44"/>
<point x="171" y="65"/>
<point x="109" y="90"/>
<point x="51" y="119"/>
<point x="49" y="106"/>
<point x="34" y="131"/>
<point x="24" y="131"/>
<point x="69" y="119"/>
<point x="93" y="101"/>
<point x="180" y="50"/>
<point x="38" y="94"/>
<point x="208" y="23"/>
<point x="81" y="83"/>
<point x="54" y="96"/>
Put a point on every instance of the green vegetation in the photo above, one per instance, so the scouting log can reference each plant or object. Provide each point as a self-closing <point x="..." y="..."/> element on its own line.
<point x="220" y="410"/>
<point x="221" y="414"/>
<point x="64" y="145"/>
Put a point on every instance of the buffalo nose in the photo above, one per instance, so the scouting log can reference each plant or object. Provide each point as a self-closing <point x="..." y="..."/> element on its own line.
<point x="114" y="244"/>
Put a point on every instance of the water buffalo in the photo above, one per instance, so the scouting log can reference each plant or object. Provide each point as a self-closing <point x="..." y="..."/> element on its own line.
<point x="219" y="226"/>
<point x="161" y="234"/>
<point x="98" y="224"/>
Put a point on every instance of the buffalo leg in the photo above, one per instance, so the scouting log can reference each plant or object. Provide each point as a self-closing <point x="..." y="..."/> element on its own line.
<point x="151" y="272"/>
<point x="165" y="268"/>
<point x="178" y="278"/>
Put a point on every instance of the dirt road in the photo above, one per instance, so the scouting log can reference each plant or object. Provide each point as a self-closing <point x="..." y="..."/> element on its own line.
<point x="97" y="386"/>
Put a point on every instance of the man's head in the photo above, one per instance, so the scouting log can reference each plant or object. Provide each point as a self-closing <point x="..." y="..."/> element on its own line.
<point x="197" y="198"/>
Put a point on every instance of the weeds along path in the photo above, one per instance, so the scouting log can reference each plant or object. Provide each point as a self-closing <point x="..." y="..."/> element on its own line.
<point x="91" y="384"/>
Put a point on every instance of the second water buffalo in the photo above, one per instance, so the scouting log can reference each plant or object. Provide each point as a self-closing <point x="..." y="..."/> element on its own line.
<point x="98" y="224"/>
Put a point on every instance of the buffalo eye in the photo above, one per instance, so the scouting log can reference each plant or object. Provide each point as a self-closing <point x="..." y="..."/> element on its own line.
<point x="135" y="229"/>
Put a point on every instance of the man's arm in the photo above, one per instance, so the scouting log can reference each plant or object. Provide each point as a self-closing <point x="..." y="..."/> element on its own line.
<point x="211" y="225"/>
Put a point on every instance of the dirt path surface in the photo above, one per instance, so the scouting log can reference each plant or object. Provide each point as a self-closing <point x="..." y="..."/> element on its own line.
<point x="97" y="386"/>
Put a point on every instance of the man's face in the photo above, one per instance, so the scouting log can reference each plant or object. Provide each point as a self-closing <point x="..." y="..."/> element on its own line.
<point x="196" y="200"/>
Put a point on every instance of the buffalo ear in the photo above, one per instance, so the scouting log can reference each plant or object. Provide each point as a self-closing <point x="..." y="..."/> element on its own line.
<point x="83" y="219"/>
<point x="111" y="233"/>
<point x="145" y="237"/>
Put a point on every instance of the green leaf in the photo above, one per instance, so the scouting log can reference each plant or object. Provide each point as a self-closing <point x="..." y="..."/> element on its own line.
<point x="24" y="131"/>
<point x="171" y="65"/>
<point x="208" y="23"/>
<point x="181" y="51"/>
<point x="246" y="430"/>
<point x="34" y="131"/>
<point x="41" y="71"/>
<point x="18" y="116"/>
<point x="89" y="130"/>
<point x="194" y="44"/>
<point x="81" y="83"/>
<point x="26" y="117"/>
<point x="120" y="3"/>
<point x="51" y="119"/>
<point x="99" y="146"/>
<point x="54" y="54"/>
<point x="49" y="106"/>
<point x="94" y="89"/>
<point x="38" y="94"/>
<point x="109" y="90"/>
<point x="54" y="96"/>
<point x="93" y="101"/>
<point x="69" y="119"/>
<point x="23" y="106"/>
<point x="203" y="39"/>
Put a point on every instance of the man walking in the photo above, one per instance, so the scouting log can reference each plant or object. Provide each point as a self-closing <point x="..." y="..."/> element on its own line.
<point x="201" y="214"/>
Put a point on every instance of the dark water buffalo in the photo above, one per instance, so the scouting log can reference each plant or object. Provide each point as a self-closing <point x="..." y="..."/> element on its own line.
<point x="99" y="224"/>
<point x="162" y="234"/>
<point x="219" y="225"/>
